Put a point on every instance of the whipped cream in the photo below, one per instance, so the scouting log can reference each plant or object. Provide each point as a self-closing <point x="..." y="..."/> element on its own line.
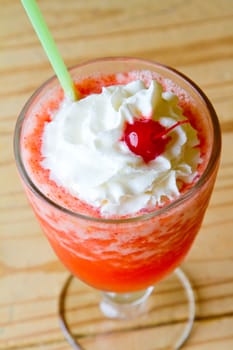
<point x="83" y="149"/>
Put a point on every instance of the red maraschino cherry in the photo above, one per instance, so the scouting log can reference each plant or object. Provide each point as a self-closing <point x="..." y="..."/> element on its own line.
<point x="148" y="138"/>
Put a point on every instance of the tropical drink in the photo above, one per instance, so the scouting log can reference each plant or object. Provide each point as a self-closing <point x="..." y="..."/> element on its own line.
<point x="120" y="179"/>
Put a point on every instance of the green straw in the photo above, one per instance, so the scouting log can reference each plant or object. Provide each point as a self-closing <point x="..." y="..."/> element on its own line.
<point x="50" y="47"/>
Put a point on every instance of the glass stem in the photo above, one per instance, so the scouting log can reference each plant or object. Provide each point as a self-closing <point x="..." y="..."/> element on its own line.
<point x="124" y="305"/>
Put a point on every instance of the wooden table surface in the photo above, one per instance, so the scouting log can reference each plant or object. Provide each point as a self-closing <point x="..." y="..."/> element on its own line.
<point x="195" y="37"/>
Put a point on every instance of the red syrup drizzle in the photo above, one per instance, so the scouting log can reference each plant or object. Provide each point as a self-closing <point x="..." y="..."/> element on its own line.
<point x="148" y="138"/>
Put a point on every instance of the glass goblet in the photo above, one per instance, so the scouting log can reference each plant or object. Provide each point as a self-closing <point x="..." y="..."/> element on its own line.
<point x="123" y="257"/>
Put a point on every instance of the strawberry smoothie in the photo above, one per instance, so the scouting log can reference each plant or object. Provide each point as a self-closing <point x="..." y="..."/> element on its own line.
<point x="124" y="232"/>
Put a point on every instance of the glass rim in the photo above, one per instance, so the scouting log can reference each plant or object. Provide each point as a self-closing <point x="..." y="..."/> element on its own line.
<point x="214" y="154"/>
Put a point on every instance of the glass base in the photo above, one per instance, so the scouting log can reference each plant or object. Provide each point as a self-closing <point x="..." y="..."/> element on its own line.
<point x="159" y="317"/>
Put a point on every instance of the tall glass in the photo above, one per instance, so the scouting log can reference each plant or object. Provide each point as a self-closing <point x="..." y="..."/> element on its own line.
<point x="125" y="257"/>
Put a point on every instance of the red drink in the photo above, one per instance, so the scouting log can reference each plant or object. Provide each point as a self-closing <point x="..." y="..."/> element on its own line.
<point x="130" y="252"/>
